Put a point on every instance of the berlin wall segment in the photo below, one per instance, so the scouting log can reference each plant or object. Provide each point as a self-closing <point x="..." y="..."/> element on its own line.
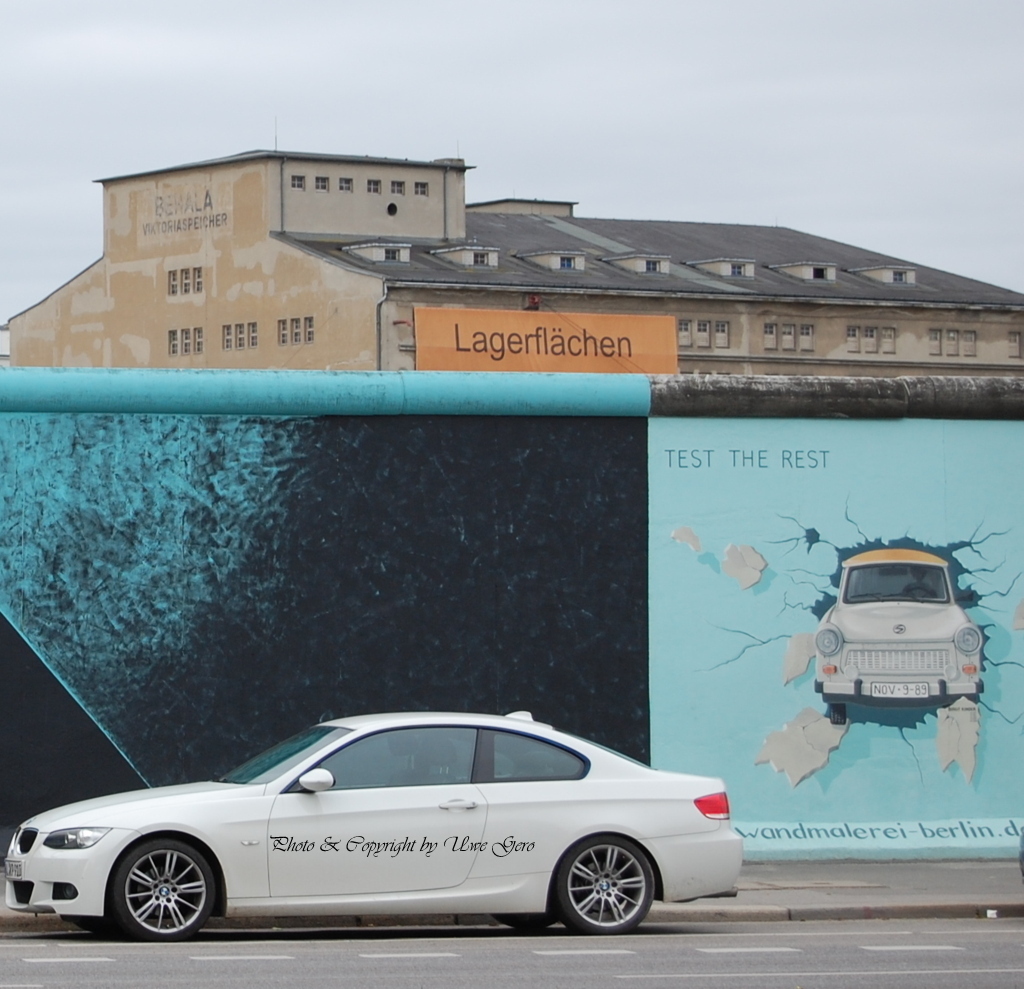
<point x="171" y="553"/>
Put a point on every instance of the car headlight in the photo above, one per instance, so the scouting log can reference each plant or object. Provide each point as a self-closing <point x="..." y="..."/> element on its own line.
<point x="828" y="641"/>
<point x="74" y="837"/>
<point x="968" y="639"/>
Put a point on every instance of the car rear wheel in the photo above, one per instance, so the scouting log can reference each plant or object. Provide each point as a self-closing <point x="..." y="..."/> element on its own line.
<point x="163" y="890"/>
<point x="604" y="885"/>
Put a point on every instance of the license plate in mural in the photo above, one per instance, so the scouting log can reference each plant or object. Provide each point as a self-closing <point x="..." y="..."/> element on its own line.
<point x="899" y="690"/>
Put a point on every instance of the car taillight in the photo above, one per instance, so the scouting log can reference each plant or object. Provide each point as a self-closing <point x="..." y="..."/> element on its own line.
<point x="715" y="806"/>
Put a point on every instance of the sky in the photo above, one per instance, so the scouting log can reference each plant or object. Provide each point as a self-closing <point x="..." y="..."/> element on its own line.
<point x="891" y="125"/>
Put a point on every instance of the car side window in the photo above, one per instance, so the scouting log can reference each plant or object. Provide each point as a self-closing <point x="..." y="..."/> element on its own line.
<point x="404" y="757"/>
<point x="507" y="757"/>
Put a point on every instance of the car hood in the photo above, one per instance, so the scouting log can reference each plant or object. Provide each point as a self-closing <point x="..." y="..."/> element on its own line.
<point x="122" y="809"/>
<point x="875" y="621"/>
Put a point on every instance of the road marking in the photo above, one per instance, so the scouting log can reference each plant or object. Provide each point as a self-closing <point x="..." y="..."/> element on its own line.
<point x="65" y="960"/>
<point x="587" y="951"/>
<point x="411" y="954"/>
<point x="242" y="958"/>
<point x="742" y="951"/>
<point x="829" y="973"/>
<point x="910" y="947"/>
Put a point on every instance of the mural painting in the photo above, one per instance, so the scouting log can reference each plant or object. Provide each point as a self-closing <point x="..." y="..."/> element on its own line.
<point x="837" y="627"/>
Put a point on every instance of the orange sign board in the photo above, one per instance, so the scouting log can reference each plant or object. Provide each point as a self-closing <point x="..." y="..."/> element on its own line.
<point x="514" y="340"/>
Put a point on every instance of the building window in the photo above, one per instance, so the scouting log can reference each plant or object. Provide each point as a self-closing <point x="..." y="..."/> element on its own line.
<point x="566" y="262"/>
<point x="226" y="336"/>
<point x="296" y="330"/>
<point x="373" y="186"/>
<point x="652" y="267"/>
<point x="870" y="339"/>
<point x="197" y="336"/>
<point x="397" y="188"/>
<point x="853" y="339"/>
<point x="899" y="277"/>
<point x="392" y="254"/>
<point x="186" y="281"/>
<point x="684" y="333"/>
<point x="1014" y="343"/>
<point x="322" y="183"/>
<point x="479" y="257"/>
<point x="344" y="185"/>
<point x="254" y="337"/>
<point x="703" y="333"/>
<point x="807" y="336"/>
<point x="952" y="343"/>
<point x="299" y="182"/>
<point x="186" y="341"/>
<point x="172" y="282"/>
<point x="888" y="339"/>
<point x="721" y="333"/>
<point x="239" y="336"/>
<point x="197" y="280"/>
<point x="771" y="340"/>
<point x="309" y="329"/>
<point x="789" y="336"/>
<point x="421" y="188"/>
<point x="172" y="343"/>
<point x="935" y="343"/>
<point x="819" y="274"/>
<point x="282" y="332"/>
<point x="970" y="343"/>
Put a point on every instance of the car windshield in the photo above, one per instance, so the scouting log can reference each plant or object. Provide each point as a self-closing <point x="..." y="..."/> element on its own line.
<point x="896" y="582"/>
<point x="278" y="759"/>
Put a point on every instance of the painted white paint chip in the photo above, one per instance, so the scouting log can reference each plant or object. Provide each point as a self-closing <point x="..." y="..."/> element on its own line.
<point x="744" y="564"/>
<point x="803" y="746"/>
<point x="684" y="534"/>
<point x="957" y="736"/>
<point x="1018" y="616"/>
<point x="799" y="653"/>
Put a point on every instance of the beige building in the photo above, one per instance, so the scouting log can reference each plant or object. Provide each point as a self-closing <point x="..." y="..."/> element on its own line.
<point x="284" y="260"/>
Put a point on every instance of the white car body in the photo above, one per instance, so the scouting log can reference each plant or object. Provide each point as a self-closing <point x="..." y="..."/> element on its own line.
<point x="896" y="636"/>
<point x="480" y="846"/>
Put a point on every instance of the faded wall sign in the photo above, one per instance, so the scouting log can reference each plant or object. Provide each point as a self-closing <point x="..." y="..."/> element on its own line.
<point x="511" y="340"/>
<point x="833" y="631"/>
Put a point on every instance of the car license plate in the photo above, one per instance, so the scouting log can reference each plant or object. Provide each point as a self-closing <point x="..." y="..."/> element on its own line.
<point x="899" y="689"/>
<point x="12" y="870"/>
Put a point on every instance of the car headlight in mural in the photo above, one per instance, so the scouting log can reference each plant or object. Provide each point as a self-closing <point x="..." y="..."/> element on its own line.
<point x="386" y="814"/>
<point x="896" y="636"/>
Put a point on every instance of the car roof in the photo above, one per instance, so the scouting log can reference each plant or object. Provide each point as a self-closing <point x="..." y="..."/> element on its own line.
<point x="517" y="719"/>
<point x="895" y="556"/>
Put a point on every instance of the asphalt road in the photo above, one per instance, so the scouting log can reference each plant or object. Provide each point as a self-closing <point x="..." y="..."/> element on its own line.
<point x="823" y="955"/>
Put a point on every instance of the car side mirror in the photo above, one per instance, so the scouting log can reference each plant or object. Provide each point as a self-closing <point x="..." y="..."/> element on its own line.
<point x="316" y="780"/>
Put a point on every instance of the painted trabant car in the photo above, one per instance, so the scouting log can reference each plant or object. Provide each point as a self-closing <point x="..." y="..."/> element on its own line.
<point x="388" y="814"/>
<point x="896" y="636"/>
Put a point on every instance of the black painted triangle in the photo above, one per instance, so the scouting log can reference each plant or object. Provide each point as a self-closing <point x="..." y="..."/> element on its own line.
<point x="51" y="751"/>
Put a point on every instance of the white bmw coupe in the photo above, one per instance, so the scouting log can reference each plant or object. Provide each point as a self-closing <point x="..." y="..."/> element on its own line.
<point x="388" y="814"/>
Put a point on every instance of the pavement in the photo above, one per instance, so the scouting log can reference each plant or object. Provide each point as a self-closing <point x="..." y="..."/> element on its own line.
<point x="766" y="891"/>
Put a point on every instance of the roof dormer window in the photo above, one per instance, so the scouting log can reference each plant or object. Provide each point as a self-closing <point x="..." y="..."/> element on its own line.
<point x="469" y="256"/>
<point x="808" y="271"/>
<point x="381" y="253"/>
<point x="642" y="264"/>
<point x="727" y="267"/>
<point x="888" y="274"/>
<point x="557" y="260"/>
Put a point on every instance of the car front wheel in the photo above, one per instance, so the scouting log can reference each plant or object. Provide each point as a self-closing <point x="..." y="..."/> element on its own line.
<point x="163" y="890"/>
<point x="604" y="885"/>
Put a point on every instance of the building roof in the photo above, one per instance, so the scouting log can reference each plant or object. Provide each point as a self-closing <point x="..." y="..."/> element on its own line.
<point x="453" y="163"/>
<point x="519" y="235"/>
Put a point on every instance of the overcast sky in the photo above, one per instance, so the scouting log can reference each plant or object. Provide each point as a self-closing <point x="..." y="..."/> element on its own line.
<point x="892" y="125"/>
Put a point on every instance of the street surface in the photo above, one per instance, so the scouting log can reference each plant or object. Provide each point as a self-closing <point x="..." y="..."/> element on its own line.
<point x="814" y="955"/>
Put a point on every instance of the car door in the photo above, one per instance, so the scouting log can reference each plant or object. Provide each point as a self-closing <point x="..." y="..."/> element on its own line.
<point x="536" y="802"/>
<point x="402" y="815"/>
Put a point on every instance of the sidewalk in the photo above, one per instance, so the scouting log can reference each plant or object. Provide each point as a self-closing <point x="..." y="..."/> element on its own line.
<point x="767" y="891"/>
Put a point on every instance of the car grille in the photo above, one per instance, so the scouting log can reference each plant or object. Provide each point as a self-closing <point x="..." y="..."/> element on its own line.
<point x="899" y="660"/>
<point x="26" y="839"/>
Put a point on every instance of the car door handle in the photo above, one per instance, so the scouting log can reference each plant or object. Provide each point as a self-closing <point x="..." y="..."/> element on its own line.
<point x="458" y="805"/>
